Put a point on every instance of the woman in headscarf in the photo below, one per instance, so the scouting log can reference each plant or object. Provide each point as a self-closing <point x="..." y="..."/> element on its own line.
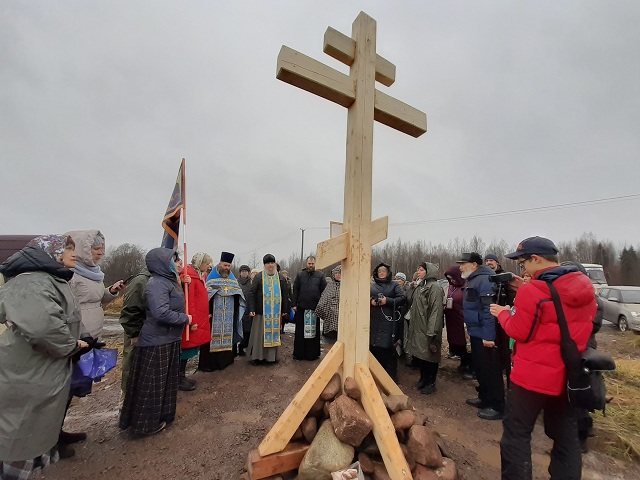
<point x="88" y="281"/>
<point x="454" y="320"/>
<point x="152" y="389"/>
<point x="199" y="331"/>
<point x="424" y="341"/>
<point x="386" y="328"/>
<point x="43" y="326"/>
<point x="329" y="305"/>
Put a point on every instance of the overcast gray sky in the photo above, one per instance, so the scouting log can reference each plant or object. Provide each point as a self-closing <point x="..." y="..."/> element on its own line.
<point x="529" y="104"/>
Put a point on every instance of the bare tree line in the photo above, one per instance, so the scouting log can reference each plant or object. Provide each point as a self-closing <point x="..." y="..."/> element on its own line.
<point x="621" y="266"/>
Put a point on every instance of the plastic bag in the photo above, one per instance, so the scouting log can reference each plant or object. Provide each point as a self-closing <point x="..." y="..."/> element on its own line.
<point x="91" y="367"/>
<point x="352" y="472"/>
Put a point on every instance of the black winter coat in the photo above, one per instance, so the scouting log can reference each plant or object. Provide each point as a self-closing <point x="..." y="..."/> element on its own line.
<point x="307" y="289"/>
<point x="386" y="326"/>
<point x="254" y="300"/>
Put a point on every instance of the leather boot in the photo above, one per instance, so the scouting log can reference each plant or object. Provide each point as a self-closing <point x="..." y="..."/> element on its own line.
<point x="184" y="384"/>
<point x="65" y="451"/>
<point x="66" y="438"/>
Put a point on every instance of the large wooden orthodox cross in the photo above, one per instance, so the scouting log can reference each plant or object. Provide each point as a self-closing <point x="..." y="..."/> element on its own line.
<point x="352" y="247"/>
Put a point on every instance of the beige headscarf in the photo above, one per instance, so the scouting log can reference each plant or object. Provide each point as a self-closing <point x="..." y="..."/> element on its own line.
<point x="198" y="259"/>
<point x="84" y="240"/>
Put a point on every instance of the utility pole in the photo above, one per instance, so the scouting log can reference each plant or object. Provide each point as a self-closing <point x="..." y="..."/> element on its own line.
<point x="302" y="248"/>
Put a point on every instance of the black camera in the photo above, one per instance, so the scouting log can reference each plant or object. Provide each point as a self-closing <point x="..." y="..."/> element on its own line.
<point x="500" y="282"/>
<point x="505" y="277"/>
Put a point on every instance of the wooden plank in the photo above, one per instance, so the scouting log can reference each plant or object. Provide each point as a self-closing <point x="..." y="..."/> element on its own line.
<point x="354" y="312"/>
<point x="384" y="381"/>
<point x="332" y="251"/>
<point x="308" y="74"/>
<point x="399" y="115"/>
<point x="343" y="49"/>
<point x="290" y="458"/>
<point x="282" y="431"/>
<point x="335" y="229"/>
<point x="379" y="230"/>
<point x="383" y="429"/>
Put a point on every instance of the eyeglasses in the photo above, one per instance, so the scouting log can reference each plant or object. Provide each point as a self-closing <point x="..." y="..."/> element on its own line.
<point x="522" y="262"/>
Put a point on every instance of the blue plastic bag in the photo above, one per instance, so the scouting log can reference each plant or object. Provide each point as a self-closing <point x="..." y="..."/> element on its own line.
<point x="91" y="367"/>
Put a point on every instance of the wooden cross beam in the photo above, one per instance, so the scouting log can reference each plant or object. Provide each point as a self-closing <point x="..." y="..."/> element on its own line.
<point x="352" y="246"/>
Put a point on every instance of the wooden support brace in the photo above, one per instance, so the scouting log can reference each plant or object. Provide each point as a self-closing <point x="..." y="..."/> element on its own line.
<point x="332" y="251"/>
<point x="384" y="381"/>
<point x="282" y="431"/>
<point x="383" y="430"/>
<point x="308" y="74"/>
<point x="288" y="459"/>
<point x="343" y="49"/>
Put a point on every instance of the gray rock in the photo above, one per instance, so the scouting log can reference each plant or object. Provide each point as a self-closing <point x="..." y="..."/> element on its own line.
<point x="325" y="455"/>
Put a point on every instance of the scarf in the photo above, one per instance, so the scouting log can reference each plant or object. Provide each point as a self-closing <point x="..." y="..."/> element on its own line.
<point x="272" y="305"/>
<point x="86" y="271"/>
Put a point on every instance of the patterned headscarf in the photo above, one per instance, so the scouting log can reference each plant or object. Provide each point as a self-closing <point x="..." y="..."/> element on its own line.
<point x="53" y="245"/>
<point x="198" y="259"/>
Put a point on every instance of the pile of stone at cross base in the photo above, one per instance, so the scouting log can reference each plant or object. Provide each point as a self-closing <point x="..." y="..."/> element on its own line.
<point x="340" y="433"/>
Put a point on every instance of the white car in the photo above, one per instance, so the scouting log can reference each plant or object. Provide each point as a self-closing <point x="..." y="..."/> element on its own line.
<point x="622" y="307"/>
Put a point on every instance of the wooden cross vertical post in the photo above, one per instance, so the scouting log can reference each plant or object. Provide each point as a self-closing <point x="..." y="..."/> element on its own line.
<point x="356" y="91"/>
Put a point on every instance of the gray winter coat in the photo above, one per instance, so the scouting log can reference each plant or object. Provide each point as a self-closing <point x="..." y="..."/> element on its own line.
<point x="165" y="302"/>
<point x="424" y="339"/>
<point x="43" y="324"/>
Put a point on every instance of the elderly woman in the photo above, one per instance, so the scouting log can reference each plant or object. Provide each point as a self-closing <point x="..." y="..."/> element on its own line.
<point x="329" y="304"/>
<point x="199" y="331"/>
<point x="88" y="281"/>
<point x="152" y="389"/>
<point x="43" y="325"/>
<point x="387" y="297"/>
<point x="424" y="341"/>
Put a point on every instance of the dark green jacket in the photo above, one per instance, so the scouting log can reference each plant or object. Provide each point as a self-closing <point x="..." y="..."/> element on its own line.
<point x="134" y="306"/>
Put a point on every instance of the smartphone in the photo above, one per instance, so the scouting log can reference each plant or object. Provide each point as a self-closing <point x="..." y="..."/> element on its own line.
<point x="128" y="279"/>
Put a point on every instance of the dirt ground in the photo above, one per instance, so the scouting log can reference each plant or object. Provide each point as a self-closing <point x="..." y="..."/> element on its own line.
<point x="231" y="411"/>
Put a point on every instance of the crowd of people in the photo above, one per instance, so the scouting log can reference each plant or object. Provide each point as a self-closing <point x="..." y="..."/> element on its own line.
<point x="504" y="333"/>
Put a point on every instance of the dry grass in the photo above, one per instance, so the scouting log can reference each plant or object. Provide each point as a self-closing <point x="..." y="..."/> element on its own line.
<point x="620" y="429"/>
<point x="113" y="309"/>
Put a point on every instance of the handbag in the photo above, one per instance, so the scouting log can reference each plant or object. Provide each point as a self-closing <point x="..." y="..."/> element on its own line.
<point x="585" y="384"/>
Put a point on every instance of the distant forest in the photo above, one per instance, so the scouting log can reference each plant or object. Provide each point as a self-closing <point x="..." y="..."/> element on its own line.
<point x="621" y="266"/>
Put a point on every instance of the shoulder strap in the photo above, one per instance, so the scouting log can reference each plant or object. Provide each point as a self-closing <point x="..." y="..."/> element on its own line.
<point x="568" y="347"/>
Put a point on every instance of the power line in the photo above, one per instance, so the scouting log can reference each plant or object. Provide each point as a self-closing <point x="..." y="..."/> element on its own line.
<point x="271" y="242"/>
<point x="523" y="210"/>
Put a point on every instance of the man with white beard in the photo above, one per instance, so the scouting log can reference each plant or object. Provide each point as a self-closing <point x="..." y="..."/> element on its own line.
<point x="481" y="325"/>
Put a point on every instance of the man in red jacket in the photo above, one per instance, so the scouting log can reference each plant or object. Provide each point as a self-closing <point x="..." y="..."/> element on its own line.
<point x="538" y="377"/>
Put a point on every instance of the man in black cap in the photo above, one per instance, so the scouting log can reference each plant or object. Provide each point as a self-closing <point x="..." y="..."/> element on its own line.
<point x="481" y="325"/>
<point x="245" y="284"/>
<point x="307" y="288"/>
<point x="226" y="305"/>
<point x="538" y="377"/>
<point x="268" y="305"/>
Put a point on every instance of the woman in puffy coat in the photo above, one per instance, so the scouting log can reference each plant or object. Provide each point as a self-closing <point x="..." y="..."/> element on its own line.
<point x="199" y="331"/>
<point x="152" y="389"/>
<point x="386" y="328"/>
<point x="88" y="281"/>
<point x="425" y="327"/>
<point x="43" y="326"/>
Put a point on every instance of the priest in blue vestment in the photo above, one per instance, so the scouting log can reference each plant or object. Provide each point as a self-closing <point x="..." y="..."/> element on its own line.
<point x="226" y="306"/>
